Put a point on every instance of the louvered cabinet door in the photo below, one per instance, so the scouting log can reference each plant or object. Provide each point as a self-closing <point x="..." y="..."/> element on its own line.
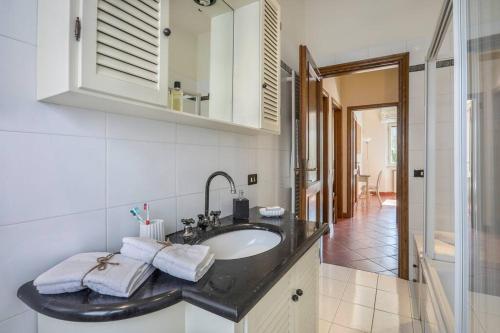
<point x="270" y="26"/>
<point x="123" y="51"/>
<point x="305" y="277"/>
<point x="272" y="313"/>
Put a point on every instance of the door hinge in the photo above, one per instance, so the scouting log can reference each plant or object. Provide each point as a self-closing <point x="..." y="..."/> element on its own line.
<point x="78" y="29"/>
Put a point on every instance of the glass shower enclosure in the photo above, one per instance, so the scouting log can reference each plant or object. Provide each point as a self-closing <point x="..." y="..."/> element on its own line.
<point x="460" y="249"/>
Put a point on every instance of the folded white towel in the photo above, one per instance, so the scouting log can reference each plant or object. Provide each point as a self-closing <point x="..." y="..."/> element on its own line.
<point x="120" y="277"/>
<point x="188" y="262"/>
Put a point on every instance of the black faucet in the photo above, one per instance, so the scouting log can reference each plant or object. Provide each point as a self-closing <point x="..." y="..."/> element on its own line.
<point x="207" y="187"/>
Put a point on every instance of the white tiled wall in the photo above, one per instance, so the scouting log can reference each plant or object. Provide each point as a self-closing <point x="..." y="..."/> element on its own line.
<point x="69" y="176"/>
<point x="416" y="160"/>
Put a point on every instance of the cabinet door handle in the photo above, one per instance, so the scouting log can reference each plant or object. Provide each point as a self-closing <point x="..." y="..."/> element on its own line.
<point x="299" y="292"/>
<point x="78" y="28"/>
<point x="295" y="298"/>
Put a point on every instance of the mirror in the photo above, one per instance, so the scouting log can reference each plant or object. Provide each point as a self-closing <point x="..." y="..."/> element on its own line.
<point x="201" y="58"/>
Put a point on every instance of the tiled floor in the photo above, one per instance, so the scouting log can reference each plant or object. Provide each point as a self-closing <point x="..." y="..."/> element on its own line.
<point x="368" y="241"/>
<point x="357" y="301"/>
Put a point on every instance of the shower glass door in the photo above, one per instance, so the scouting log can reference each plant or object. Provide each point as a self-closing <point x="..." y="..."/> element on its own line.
<point x="439" y="238"/>
<point x="478" y="96"/>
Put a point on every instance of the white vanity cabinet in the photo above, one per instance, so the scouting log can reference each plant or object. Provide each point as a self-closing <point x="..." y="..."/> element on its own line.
<point x="281" y="310"/>
<point x="292" y="304"/>
<point x="89" y="50"/>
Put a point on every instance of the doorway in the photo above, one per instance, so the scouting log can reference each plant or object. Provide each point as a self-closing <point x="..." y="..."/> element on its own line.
<point x="311" y="77"/>
<point x="401" y="63"/>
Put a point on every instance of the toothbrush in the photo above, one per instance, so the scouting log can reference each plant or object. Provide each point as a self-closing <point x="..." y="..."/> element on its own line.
<point x="137" y="216"/>
<point x="146" y="208"/>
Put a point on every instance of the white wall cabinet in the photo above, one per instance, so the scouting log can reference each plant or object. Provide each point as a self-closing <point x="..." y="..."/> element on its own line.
<point x="112" y="55"/>
<point x="257" y="64"/>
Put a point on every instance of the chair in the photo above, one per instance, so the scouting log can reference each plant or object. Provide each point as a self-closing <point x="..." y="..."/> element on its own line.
<point x="376" y="188"/>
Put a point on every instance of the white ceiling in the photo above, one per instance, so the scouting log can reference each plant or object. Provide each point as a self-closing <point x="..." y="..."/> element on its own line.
<point x="193" y="18"/>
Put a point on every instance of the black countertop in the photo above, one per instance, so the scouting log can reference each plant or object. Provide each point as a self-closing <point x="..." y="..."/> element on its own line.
<point x="229" y="289"/>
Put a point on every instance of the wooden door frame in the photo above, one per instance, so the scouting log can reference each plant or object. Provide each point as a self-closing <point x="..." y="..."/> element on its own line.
<point x="326" y="110"/>
<point x="402" y="60"/>
<point x="338" y="141"/>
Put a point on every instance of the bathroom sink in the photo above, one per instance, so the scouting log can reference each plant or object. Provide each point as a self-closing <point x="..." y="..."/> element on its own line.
<point x="242" y="243"/>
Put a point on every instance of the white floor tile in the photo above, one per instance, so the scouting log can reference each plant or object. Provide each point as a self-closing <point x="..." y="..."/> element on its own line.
<point x="393" y="284"/>
<point x="359" y="295"/>
<point x="332" y="288"/>
<point x="393" y="303"/>
<point x="324" y="326"/>
<point x="336" y="272"/>
<point x="388" y="323"/>
<point x="431" y="328"/>
<point x="417" y="326"/>
<point x="354" y="316"/>
<point x="363" y="278"/>
<point x="328" y="307"/>
<point x="415" y="311"/>
<point x="341" y="329"/>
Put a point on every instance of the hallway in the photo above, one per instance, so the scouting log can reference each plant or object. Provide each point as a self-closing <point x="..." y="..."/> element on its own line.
<point x="368" y="241"/>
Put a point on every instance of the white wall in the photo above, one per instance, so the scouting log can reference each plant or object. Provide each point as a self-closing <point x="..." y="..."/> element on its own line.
<point x="374" y="154"/>
<point x="69" y="176"/>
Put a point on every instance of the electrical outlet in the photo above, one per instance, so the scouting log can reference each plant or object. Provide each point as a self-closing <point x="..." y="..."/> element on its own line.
<point x="252" y="179"/>
<point x="418" y="173"/>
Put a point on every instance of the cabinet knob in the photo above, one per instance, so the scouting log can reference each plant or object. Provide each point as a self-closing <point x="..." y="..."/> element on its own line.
<point x="299" y="292"/>
<point x="264" y="85"/>
<point x="167" y="32"/>
<point x="295" y="298"/>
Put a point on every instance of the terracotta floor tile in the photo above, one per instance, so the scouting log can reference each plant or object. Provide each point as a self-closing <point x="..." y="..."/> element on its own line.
<point x="368" y="241"/>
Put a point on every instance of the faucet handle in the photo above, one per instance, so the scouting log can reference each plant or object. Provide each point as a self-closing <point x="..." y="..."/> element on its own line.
<point x="215" y="217"/>
<point x="215" y="213"/>
<point x="187" y="222"/>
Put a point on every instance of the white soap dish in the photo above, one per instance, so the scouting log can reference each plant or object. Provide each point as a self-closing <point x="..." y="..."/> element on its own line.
<point x="272" y="211"/>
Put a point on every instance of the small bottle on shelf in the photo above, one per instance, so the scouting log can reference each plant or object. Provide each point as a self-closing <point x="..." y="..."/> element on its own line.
<point x="176" y="95"/>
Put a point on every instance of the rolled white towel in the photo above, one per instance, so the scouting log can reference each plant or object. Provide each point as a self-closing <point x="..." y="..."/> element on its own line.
<point x="189" y="262"/>
<point x="120" y="276"/>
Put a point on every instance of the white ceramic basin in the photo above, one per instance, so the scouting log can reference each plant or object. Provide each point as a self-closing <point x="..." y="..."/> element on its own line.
<point x="242" y="243"/>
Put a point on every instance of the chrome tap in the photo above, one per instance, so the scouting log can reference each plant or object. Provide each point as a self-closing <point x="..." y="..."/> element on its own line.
<point x="207" y="187"/>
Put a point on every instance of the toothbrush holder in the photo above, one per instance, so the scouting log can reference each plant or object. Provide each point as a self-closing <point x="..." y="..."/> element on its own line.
<point x="154" y="230"/>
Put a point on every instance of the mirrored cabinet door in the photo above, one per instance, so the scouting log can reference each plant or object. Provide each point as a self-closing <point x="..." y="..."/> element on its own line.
<point x="201" y="58"/>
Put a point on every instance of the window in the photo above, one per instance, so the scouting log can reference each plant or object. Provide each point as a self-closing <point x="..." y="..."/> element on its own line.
<point x="392" y="151"/>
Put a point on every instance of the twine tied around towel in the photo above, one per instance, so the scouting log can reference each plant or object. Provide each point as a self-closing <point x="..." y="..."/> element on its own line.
<point x="165" y="244"/>
<point x="102" y="264"/>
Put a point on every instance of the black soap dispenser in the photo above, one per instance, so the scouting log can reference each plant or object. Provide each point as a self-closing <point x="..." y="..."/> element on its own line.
<point x="241" y="208"/>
